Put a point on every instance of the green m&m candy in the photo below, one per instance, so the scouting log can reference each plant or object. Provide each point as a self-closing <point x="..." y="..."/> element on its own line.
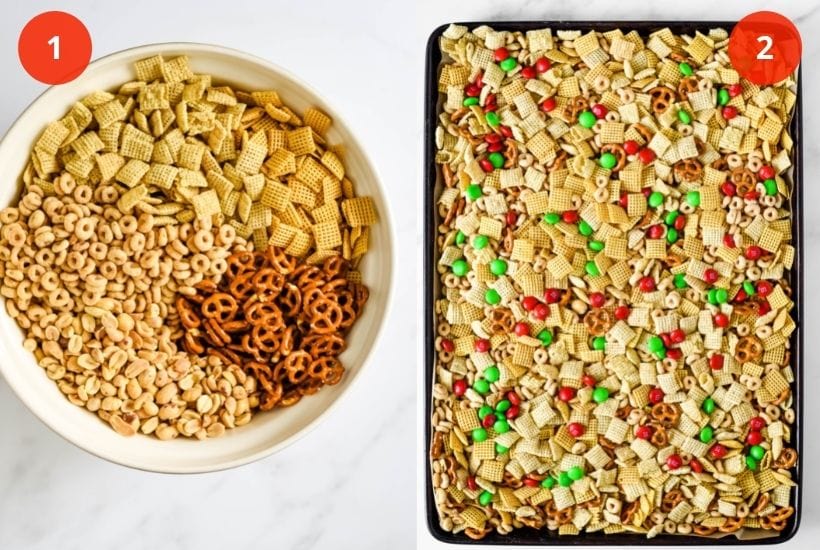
<point x="564" y="480"/>
<point x="470" y="101"/>
<point x="597" y="246"/>
<point x="501" y="449"/>
<point x="508" y="64"/>
<point x="749" y="288"/>
<point x="484" y="411"/>
<point x="672" y="235"/>
<point x="545" y="336"/>
<point x="721" y="296"/>
<point x="757" y="452"/>
<point x="584" y="228"/>
<point x="548" y="482"/>
<point x="723" y="97"/>
<point x="671" y="217"/>
<point x="485" y="498"/>
<point x="592" y="269"/>
<point x="655" y="344"/>
<point x="492" y="119"/>
<point x="575" y="473"/>
<point x="481" y="386"/>
<point x="492" y="373"/>
<point x="501" y="426"/>
<point x="600" y="394"/>
<point x="503" y="405"/>
<point x="680" y="280"/>
<point x="661" y="354"/>
<point x="587" y="119"/>
<point x="693" y="198"/>
<point x="460" y="268"/>
<point x="552" y="218"/>
<point x="492" y="297"/>
<point x="496" y="159"/>
<point x="706" y="434"/>
<point x="711" y="296"/>
<point x="498" y="267"/>
<point x="473" y="191"/>
<point x="684" y="117"/>
<point x="708" y="405"/>
<point x="655" y="199"/>
<point x="608" y="161"/>
<point x="685" y="69"/>
<point x="751" y="463"/>
<point x="771" y="187"/>
<point x="599" y="343"/>
<point x="461" y="238"/>
<point x="480" y="241"/>
<point x="479" y="434"/>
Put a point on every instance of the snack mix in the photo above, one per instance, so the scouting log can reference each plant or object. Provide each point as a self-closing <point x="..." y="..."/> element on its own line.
<point x="613" y="320"/>
<point x="184" y="254"/>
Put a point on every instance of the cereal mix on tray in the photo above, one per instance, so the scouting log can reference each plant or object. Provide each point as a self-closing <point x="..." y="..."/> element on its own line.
<point x="613" y="314"/>
<point x="184" y="253"/>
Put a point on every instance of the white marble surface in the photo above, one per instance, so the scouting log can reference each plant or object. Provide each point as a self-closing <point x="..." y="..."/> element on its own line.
<point x="806" y="15"/>
<point x="349" y="483"/>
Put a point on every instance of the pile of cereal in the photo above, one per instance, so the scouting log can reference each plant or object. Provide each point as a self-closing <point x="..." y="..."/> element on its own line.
<point x="137" y="206"/>
<point x="613" y="320"/>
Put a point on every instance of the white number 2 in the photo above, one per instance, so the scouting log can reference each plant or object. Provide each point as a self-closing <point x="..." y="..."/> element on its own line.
<point x="54" y="42"/>
<point x="764" y="53"/>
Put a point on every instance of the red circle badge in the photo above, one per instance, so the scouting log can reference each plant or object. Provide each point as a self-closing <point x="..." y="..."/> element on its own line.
<point x="54" y="47"/>
<point x="765" y="47"/>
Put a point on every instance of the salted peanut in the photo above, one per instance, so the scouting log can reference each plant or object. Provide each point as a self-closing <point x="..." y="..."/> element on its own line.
<point x="613" y="323"/>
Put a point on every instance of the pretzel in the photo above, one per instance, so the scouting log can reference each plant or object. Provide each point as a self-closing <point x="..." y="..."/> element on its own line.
<point x="628" y="512"/>
<point x="643" y="131"/>
<point x="688" y="170"/>
<point x="662" y="98"/>
<point x="598" y="321"/>
<point x="670" y="500"/>
<point x="786" y="460"/>
<point x="326" y="316"/>
<point x="561" y="517"/>
<point x="762" y="502"/>
<point x="477" y="534"/>
<point x="573" y="108"/>
<point x="687" y="85"/>
<point x="659" y="437"/>
<point x="778" y="519"/>
<point x="748" y="349"/>
<point x="731" y="525"/>
<point x="187" y="315"/>
<point x="620" y="155"/>
<point x="323" y="345"/>
<point x="666" y="414"/>
<point x="501" y="321"/>
<point x="220" y="306"/>
<point x="744" y="180"/>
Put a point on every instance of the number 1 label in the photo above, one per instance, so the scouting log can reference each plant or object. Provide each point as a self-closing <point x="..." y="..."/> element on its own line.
<point x="54" y="42"/>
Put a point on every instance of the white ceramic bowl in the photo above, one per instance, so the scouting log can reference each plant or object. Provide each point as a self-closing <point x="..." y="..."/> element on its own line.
<point x="268" y="432"/>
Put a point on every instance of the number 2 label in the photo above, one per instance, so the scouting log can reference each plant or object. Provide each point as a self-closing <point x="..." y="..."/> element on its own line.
<point x="764" y="54"/>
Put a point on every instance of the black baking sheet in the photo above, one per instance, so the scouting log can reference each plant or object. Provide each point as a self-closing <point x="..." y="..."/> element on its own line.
<point x="528" y="536"/>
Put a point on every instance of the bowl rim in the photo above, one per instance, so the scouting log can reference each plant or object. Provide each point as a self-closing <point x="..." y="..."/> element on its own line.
<point x="189" y="48"/>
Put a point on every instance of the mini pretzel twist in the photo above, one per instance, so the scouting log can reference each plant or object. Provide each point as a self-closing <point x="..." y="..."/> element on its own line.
<point x="786" y="460"/>
<point x="598" y="321"/>
<point x="688" y="170"/>
<point x="778" y="519"/>
<point x="744" y="180"/>
<point x="748" y="349"/>
<point x="662" y="98"/>
<point x="666" y="414"/>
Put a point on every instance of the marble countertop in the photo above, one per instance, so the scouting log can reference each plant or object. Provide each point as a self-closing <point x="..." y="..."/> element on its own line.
<point x="349" y="480"/>
<point x="806" y="15"/>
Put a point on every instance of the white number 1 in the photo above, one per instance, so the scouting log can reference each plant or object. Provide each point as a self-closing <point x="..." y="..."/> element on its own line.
<point x="54" y="42"/>
<point x="763" y="54"/>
